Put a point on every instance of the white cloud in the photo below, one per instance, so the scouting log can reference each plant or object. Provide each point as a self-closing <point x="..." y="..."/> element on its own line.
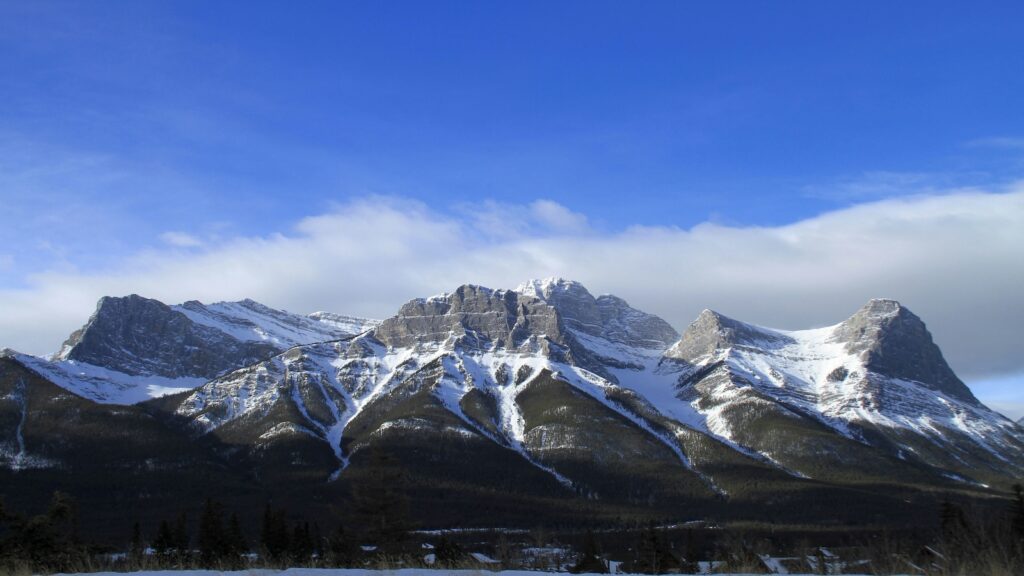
<point x="559" y="218"/>
<point x="955" y="259"/>
<point x="181" y="240"/>
<point x="541" y="218"/>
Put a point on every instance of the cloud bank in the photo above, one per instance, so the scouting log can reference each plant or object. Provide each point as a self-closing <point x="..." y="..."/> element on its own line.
<point x="956" y="259"/>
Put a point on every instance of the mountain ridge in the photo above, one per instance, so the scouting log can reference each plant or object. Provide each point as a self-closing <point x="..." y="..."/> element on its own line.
<point x="574" y="396"/>
<point x="134" y="348"/>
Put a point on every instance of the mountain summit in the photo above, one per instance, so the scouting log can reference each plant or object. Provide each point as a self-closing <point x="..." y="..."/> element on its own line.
<point x="606" y="316"/>
<point x="894" y="341"/>
<point x="144" y="337"/>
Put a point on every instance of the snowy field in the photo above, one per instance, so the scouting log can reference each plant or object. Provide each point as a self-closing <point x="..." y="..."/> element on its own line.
<point x="348" y="572"/>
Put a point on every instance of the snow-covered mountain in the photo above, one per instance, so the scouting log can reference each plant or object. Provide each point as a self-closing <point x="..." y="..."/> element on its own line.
<point x="135" y="348"/>
<point x="543" y="399"/>
<point x="876" y="379"/>
<point x="473" y="350"/>
<point x="868" y="398"/>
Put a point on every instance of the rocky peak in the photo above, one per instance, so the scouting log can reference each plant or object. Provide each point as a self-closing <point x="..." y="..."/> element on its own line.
<point x="621" y="322"/>
<point x="141" y="336"/>
<point x="111" y="314"/>
<point x="574" y="303"/>
<point x="539" y="308"/>
<point x="606" y="316"/>
<point x="546" y="288"/>
<point x="893" y="341"/>
<point x="481" y="315"/>
<point x="712" y="331"/>
<point x="876" y="312"/>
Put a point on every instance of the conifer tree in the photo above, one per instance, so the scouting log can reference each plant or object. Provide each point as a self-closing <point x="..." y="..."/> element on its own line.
<point x="274" y="535"/>
<point x="341" y="549"/>
<point x="590" y="558"/>
<point x="301" y="544"/>
<point x="957" y="534"/>
<point x="688" y="563"/>
<point x="1017" y="514"/>
<point x="265" y="528"/>
<point x="318" y="541"/>
<point x="236" y="543"/>
<point x="653" y="554"/>
<point x="137" y="549"/>
<point x="165" y="541"/>
<point x="45" y="542"/>
<point x="213" y="543"/>
<point x="381" y="502"/>
<point x="182" y="539"/>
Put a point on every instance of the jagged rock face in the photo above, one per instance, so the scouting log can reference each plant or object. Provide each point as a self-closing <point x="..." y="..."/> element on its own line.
<point x="606" y="316"/>
<point x="555" y="318"/>
<point x="139" y="336"/>
<point x="895" y="342"/>
<point x="135" y="348"/>
<point x="623" y="323"/>
<point x="480" y="316"/>
<point x="541" y="309"/>
<point x="712" y="332"/>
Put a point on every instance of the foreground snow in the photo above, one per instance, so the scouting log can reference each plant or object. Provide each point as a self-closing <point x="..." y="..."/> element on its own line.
<point x="353" y="572"/>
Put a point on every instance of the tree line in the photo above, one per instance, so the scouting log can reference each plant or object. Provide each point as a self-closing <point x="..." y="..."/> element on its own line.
<point x="47" y="542"/>
<point x="965" y="541"/>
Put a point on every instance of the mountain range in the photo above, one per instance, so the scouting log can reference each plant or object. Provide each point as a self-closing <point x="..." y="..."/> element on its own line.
<point x="541" y="404"/>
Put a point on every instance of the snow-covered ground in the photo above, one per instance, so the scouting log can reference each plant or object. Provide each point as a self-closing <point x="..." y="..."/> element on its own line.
<point x="348" y="572"/>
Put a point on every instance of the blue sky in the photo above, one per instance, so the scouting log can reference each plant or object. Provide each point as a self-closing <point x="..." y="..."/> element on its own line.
<point x="177" y="128"/>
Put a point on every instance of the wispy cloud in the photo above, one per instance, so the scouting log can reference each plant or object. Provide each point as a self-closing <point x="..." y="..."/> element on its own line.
<point x="181" y="240"/>
<point x="952" y="258"/>
<point x="66" y="208"/>
<point x="540" y="218"/>
<point x="1003" y="142"/>
<point x="879" y="184"/>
